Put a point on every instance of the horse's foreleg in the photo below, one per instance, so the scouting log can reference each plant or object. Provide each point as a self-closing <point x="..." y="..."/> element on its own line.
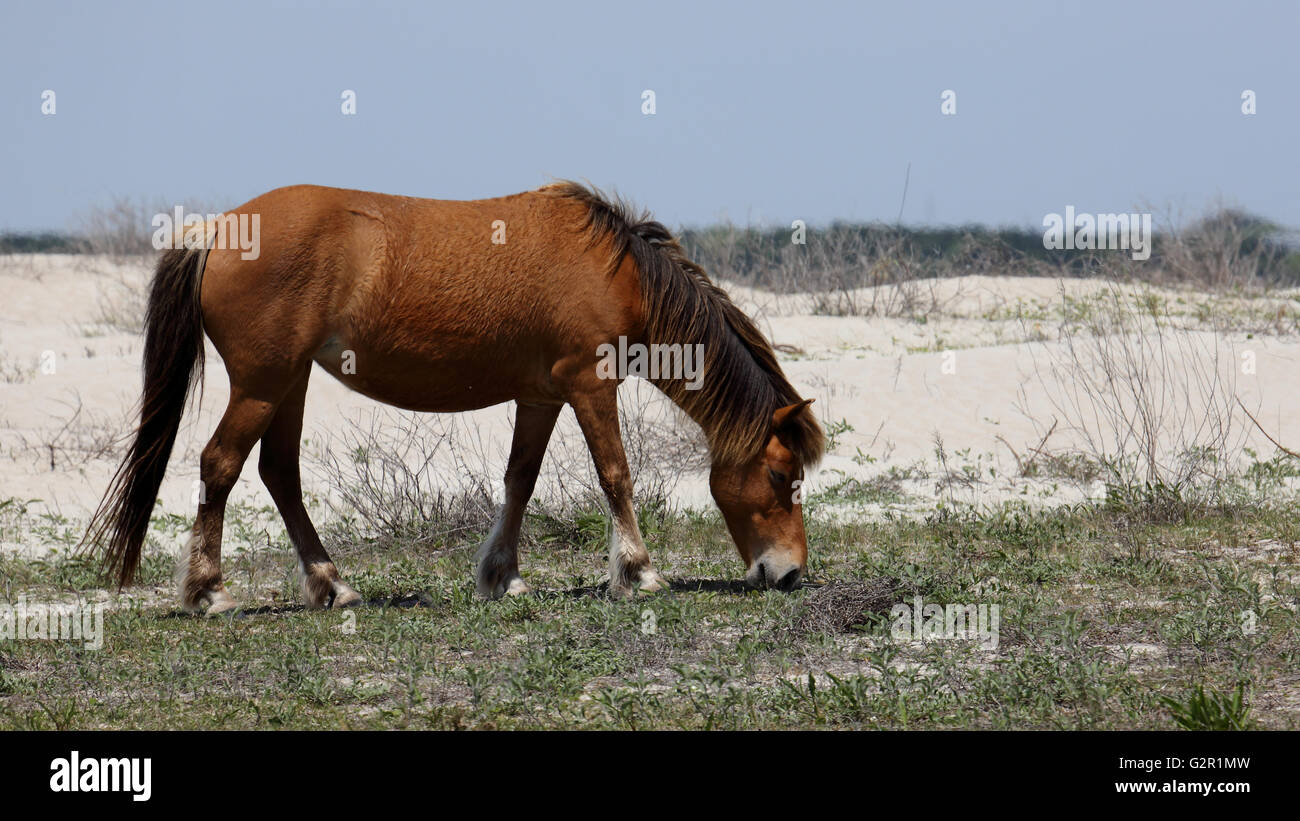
<point x="278" y="467"/>
<point x="629" y="563"/>
<point x="497" y="561"/>
<point x="220" y="464"/>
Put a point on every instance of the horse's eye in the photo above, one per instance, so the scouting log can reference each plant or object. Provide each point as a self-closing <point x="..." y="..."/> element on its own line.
<point x="777" y="476"/>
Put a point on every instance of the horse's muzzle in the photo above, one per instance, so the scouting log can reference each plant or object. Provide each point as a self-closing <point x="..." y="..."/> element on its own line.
<point x="774" y="573"/>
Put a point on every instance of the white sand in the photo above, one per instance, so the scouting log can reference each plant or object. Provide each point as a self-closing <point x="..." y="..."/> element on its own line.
<point x="884" y="377"/>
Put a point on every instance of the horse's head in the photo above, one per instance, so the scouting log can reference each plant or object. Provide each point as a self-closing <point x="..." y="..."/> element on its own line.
<point x="760" y="501"/>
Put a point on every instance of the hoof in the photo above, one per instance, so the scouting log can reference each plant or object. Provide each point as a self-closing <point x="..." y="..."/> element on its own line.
<point x="517" y="587"/>
<point x="322" y="588"/>
<point x="344" y="596"/>
<point x="219" y="601"/>
<point x="652" y="582"/>
<point x="508" y="586"/>
<point x="648" y="581"/>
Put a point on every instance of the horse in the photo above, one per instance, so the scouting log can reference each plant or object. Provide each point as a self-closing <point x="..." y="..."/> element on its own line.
<point x="447" y="306"/>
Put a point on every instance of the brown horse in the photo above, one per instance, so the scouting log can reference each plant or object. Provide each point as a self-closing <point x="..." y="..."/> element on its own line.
<point x="434" y="305"/>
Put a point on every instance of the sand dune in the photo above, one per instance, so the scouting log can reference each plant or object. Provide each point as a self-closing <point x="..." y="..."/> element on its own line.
<point x="977" y="363"/>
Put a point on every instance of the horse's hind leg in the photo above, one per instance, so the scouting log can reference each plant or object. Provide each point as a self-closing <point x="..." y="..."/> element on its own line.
<point x="220" y="464"/>
<point x="497" y="561"/>
<point x="279" y="469"/>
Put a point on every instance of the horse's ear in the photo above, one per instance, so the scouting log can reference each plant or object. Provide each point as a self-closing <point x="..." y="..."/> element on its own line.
<point x="781" y="417"/>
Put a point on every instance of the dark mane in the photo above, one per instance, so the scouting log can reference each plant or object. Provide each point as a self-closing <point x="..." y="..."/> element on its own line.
<point x="743" y="383"/>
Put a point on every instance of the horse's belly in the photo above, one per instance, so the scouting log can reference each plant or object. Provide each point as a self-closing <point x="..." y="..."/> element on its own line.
<point x="427" y="379"/>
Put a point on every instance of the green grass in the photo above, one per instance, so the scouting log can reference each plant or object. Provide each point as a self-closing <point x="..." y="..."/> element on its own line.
<point x="1109" y="619"/>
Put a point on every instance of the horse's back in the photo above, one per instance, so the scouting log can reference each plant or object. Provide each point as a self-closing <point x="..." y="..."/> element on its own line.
<point x="449" y="294"/>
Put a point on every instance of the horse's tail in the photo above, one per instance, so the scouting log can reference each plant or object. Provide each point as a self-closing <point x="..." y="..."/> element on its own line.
<point x="173" y="362"/>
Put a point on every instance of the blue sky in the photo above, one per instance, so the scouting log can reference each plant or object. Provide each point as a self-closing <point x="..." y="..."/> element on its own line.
<point x="765" y="112"/>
